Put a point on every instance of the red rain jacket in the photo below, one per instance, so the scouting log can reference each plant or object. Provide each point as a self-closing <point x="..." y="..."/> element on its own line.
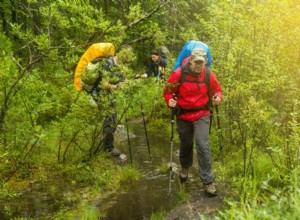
<point x="192" y="93"/>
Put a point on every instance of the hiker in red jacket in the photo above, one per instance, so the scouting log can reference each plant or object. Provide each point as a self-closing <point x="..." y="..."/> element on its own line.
<point x="191" y="91"/>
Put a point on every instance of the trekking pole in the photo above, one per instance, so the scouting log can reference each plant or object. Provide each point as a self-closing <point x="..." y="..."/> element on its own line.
<point x="158" y="76"/>
<point x="94" y="152"/>
<point x="210" y="119"/>
<point x="171" y="152"/>
<point x="145" y="127"/>
<point x="128" y="139"/>
<point x="127" y="130"/>
<point x="219" y="132"/>
<point x="155" y="94"/>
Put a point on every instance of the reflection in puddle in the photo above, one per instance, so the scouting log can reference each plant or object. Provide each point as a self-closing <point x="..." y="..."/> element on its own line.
<point x="136" y="201"/>
<point x="149" y="195"/>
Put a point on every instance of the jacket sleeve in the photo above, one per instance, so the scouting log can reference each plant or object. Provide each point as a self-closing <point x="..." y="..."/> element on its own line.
<point x="171" y="86"/>
<point x="149" y="69"/>
<point x="215" y="87"/>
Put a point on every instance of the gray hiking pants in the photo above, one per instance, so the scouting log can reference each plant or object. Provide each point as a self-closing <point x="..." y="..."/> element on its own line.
<point x="198" y="130"/>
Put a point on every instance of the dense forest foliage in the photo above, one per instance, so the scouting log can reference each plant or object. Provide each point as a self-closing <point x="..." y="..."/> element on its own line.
<point x="45" y="124"/>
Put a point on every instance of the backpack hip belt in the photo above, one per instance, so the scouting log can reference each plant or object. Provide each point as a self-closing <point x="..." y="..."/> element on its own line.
<point x="179" y="110"/>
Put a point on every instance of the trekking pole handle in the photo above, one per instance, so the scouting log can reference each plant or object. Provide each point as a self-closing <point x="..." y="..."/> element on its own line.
<point x="174" y="97"/>
<point x="215" y="97"/>
<point x="173" y="108"/>
<point x="217" y="110"/>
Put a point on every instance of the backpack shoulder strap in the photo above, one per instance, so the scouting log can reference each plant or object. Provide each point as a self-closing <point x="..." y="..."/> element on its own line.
<point x="207" y="80"/>
<point x="207" y="83"/>
<point x="209" y="104"/>
<point x="182" y="76"/>
<point x="183" y="73"/>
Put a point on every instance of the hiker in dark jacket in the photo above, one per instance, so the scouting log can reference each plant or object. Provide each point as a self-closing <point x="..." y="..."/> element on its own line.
<point x="156" y="67"/>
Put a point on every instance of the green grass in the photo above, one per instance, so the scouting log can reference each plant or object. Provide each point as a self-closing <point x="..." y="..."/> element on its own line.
<point x="266" y="202"/>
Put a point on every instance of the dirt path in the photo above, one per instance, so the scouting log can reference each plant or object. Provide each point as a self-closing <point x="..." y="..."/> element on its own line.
<point x="198" y="204"/>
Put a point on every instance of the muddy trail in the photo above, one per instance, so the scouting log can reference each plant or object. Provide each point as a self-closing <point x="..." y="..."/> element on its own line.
<point x="198" y="205"/>
<point x="153" y="193"/>
<point x="134" y="201"/>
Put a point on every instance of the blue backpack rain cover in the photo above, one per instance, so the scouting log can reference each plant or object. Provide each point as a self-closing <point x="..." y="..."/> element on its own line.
<point x="187" y="50"/>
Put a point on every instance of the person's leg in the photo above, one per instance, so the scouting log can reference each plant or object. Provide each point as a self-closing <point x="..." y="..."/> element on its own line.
<point x="186" y="136"/>
<point x="201" y="132"/>
<point x="107" y="106"/>
<point x="109" y="127"/>
<point x="108" y="132"/>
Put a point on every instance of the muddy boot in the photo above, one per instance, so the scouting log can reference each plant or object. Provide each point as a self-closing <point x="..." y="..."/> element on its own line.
<point x="183" y="174"/>
<point x="210" y="190"/>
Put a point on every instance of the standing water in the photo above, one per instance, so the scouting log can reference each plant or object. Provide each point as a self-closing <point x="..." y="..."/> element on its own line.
<point x="151" y="194"/>
<point x="138" y="200"/>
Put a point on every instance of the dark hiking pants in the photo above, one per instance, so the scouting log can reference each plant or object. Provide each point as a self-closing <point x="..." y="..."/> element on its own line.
<point x="108" y="132"/>
<point x="109" y="127"/>
<point x="197" y="131"/>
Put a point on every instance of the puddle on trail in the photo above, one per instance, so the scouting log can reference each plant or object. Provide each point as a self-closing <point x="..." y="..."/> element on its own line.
<point x="151" y="194"/>
<point x="38" y="202"/>
<point x="135" y="201"/>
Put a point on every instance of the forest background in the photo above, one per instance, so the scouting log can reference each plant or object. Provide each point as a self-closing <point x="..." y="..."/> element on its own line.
<point x="46" y="126"/>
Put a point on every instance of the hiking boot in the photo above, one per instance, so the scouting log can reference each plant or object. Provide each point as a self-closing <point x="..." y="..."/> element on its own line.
<point x="183" y="174"/>
<point x="210" y="190"/>
<point x="114" y="152"/>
